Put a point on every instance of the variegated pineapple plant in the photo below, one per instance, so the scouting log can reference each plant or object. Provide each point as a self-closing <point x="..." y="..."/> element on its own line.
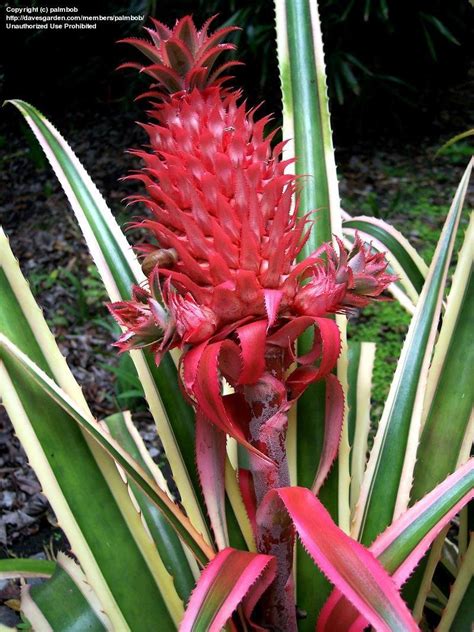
<point x="250" y="272"/>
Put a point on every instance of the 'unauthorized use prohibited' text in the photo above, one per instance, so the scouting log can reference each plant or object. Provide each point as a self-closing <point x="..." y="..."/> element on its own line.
<point x="59" y="18"/>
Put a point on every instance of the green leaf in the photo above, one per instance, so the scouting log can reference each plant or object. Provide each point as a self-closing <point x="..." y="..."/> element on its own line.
<point x="352" y="378"/>
<point x="388" y="478"/>
<point x="453" y="140"/>
<point x="457" y="615"/>
<point x="119" y="270"/>
<point x="82" y="484"/>
<point x="397" y="547"/>
<point x="32" y="374"/>
<point x="25" y="567"/>
<point x="302" y="67"/>
<point x="241" y="535"/>
<point x="306" y="120"/>
<point x="450" y="389"/>
<point x="361" y="363"/>
<point x="65" y="602"/>
<point x="449" y="396"/>
<point x="440" y="27"/>
<point x="164" y="536"/>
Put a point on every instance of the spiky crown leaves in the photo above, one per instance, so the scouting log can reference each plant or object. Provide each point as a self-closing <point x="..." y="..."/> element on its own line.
<point x="183" y="58"/>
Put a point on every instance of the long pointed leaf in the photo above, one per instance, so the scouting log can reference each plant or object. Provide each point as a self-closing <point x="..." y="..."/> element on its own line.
<point x="453" y="140"/>
<point x="306" y="121"/>
<point x="345" y="562"/>
<point x="450" y="388"/>
<point x="164" y="536"/>
<point x="343" y="466"/>
<point x="180" y="522"/>
<point x="223" y="585"/>
<point x="387" y="481"/>
<point x="458" y="612"/>
<point x="65" y="602"/>
<point x="211" y="457"/>
<point x="119" y="270"/>
<point x="26" y="567"/>
<point x="237" y="503"/>
<point x="333" y="429"/>
<point x="361" y="363"/>
<point x="404" y="543"/>
<point x="83" y="485"/>
<point x="449" y="394"/>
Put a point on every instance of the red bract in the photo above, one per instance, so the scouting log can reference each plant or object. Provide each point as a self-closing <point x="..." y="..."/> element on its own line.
<point x="224" y="283"/>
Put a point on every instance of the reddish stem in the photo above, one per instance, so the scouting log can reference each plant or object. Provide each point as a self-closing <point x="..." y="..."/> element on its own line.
<point x="268" y="427"/>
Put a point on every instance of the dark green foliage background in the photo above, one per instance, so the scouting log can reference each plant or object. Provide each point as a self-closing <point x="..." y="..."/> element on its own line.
<point x="390" y="63"/>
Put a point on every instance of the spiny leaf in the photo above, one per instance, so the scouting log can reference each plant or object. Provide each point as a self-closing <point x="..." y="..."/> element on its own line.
<point x="119" y="270"/>
<point x="388" y="477"/>
<point x="400" y="547"/>
<point x="223" y="585"/>
<point x="345" y="562"/>
<point x="176" y="517"/>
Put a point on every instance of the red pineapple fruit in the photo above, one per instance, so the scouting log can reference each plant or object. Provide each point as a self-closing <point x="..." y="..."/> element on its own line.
<point x="224" y="284"/>
<point x="221" y="202"/>
<point x="217" y="192"/>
